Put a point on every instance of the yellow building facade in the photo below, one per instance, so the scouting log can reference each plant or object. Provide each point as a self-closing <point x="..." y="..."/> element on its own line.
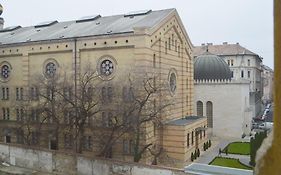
<point x="139" y="44"/>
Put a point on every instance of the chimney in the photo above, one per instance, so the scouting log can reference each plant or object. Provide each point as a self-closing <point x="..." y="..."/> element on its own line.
<point x="203" y="44"/>
<point x="237" y="43"/>
<point x="209" y="44"/>
<point x="224" y="43"/>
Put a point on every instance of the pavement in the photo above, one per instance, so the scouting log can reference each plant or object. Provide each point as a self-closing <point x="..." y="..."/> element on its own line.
<point x="213" y="151"/>
<point x="220" y="143"/>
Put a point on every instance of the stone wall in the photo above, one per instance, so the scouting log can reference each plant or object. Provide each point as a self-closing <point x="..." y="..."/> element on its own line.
<point x="230" y="103"/>
<point x="64" y="163"/>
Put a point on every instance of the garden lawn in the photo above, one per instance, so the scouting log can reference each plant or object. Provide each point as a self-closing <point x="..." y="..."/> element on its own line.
<point x="238" y="148"/>
<point x="229" y="162"/>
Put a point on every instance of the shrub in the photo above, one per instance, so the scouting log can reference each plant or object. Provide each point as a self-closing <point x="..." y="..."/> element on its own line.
<point x="198" y="152"/>
<point x="192" y="157"/>
<point x="210" y="144"/>
<point x="195" y="154"/>
<point x="255" y="144"/>
<point x="204" y="147"/>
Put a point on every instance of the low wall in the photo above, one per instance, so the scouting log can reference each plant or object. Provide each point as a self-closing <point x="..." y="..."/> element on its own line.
<point x="64" y="163"/>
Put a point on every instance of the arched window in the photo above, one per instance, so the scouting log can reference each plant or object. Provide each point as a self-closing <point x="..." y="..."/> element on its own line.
<point x="192" y="138"/>
<point x="209" y="112"/>
<point x="169" y="43"/>
<point x="199" y="108"/>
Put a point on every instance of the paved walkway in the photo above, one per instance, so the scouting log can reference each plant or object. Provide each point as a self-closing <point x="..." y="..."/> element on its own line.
<point x="213" y="152"/>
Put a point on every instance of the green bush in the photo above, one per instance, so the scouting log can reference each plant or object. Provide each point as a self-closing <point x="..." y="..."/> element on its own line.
<point x="195" y="154"/>
<point x="192" y="157"/>
<point x="255" y="144"/>
<point x="198" y="153"/>
<point x="229" y="162"/>
<point x="204" y="147"/>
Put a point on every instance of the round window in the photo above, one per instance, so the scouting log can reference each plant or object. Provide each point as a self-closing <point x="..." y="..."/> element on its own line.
<point x="106" y="67"/>
<point x="173" y="82"/>
<point x="5" y="71"/>
<point x="50" y="69"/>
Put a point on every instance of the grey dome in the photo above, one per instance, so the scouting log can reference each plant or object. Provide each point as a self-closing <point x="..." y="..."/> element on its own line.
<point x="1" y="9"/>
<point x="211" y="67"/>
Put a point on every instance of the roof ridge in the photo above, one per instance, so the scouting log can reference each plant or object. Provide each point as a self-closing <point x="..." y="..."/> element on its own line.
<point x="106" y="25"/>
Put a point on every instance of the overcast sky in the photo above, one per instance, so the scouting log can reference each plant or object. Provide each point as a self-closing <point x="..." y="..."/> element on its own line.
<point x="249" y="22"/>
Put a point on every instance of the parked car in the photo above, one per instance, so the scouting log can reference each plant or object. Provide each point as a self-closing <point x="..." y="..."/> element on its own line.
<point x="266" y="111"/>
<point x="266" y="125"/>
<point x="255" y="125"/>
<point x="258" y="119"/>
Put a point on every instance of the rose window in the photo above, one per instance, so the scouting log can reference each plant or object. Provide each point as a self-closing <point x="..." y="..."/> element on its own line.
<point x="50" y="69"/>
<point x="107" y="67"/>
<point x="173" y="82"/>
<point x="5" y="71"/>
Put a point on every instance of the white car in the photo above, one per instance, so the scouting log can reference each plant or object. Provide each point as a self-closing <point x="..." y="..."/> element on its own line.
<point x="266" y="125"/>
<point x="265" y="112"/>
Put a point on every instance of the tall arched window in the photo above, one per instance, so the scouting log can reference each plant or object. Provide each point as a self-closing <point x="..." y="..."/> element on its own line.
<point x="199" y="108"/>
<point x="209" y="112"/>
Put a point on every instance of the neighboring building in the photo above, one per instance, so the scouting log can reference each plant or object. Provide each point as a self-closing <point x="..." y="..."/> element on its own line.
<point x="244" y="64"/>
<point x="224" y="101"/>
<point x="267" y="78"/>
<point x="138" y="44"/>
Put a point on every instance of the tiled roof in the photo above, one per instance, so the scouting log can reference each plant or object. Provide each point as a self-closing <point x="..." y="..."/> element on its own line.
<point x="90" y="26"/>
<point x="224" y="49"/>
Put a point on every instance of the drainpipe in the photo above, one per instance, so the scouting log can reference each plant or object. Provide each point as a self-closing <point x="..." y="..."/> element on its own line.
<point x="75" y="90"/>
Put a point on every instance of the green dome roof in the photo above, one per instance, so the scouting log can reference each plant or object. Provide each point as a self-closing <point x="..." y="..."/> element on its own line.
<point x="211" y="67"/>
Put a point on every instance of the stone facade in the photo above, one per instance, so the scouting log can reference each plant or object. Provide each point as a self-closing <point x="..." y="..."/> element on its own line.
<point x="230" y="110"/>
<point x="244" y="64"/>
<point x="157" y="47"/>
<point x="267" y="79"/>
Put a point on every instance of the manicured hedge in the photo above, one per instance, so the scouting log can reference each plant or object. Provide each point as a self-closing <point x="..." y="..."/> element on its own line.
<point x="242" y="148"/>
<point x="229" y="162"/>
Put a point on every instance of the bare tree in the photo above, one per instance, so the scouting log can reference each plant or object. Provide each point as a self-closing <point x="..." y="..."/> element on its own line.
<point x="58" y="104"/>
<point x="85" y="105"/>
<point x="137" y="108"/>
<point x="71" y="106"/>
<point x="49" y="107"/>
<point x="147" y="110"/>
<point x="38" y="111"/>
